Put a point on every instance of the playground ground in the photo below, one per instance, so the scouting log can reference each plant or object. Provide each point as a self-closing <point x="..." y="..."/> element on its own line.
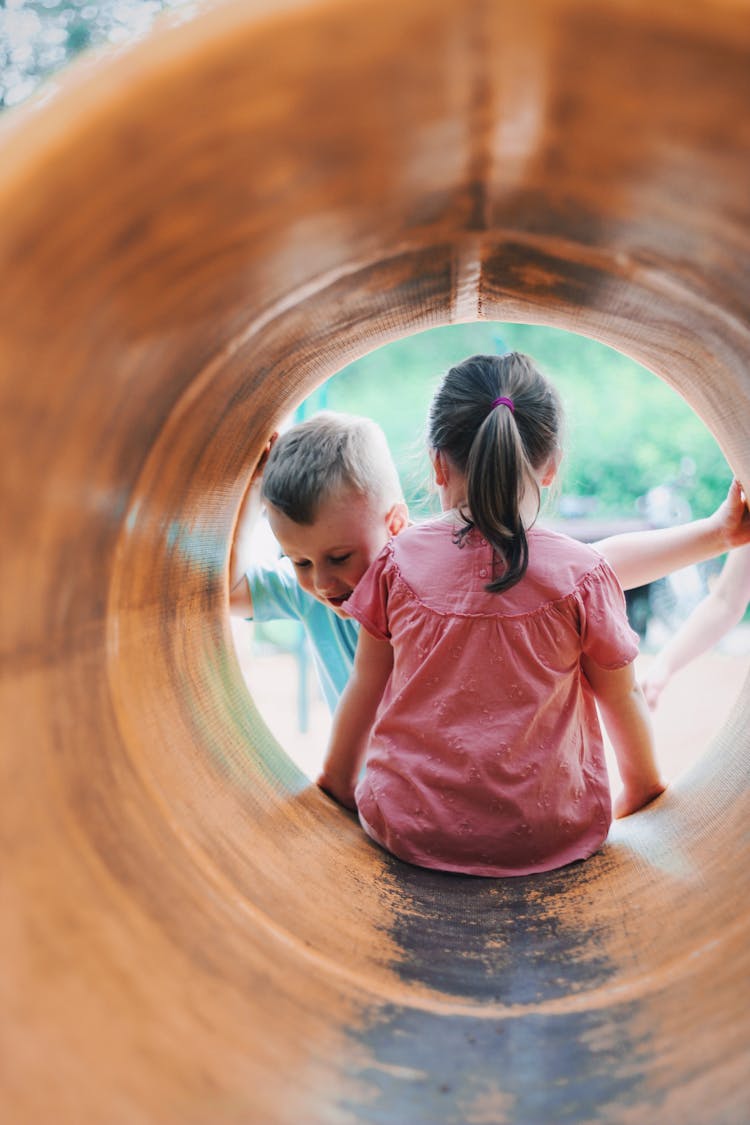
<point x="690" y="713"/>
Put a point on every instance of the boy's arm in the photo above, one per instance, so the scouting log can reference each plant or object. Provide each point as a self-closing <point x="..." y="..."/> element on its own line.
<point x="640" y="557"/>
<point x="240" y="556"/>
<point x="711" y="619"/>
<point x="355" y="714"/>
<point x="628" y="724"/>
<point x="240" y="602"/>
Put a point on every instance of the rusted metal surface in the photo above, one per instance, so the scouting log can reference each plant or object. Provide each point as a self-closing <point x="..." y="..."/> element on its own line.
<point x="195" y="232"/>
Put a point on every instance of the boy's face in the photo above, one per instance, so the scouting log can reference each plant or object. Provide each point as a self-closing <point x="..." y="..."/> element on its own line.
<point x="331" y="554"/>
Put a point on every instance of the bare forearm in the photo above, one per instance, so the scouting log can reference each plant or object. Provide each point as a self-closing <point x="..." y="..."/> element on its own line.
<point x="240" y="557"/>
<point x="640" y="557"/>
<point x="712" y="618"/>
<point x="628" y="725"/>
<point x="354" y="718"/>
<point x="700" y="632"/>
<point x="247" y="519"/>
<point x="347" y="745"/>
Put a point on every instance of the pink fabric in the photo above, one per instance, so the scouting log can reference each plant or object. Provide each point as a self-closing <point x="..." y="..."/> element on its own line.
<point x="487" y="756"/>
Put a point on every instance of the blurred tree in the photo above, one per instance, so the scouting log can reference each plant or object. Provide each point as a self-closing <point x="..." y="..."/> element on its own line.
<point x="38" y="37"/>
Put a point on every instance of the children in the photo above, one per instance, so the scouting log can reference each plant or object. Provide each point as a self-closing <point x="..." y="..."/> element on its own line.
<point x="711" y="619"/>
<point x="333" y="498"/>
<point x="486" y="644"/>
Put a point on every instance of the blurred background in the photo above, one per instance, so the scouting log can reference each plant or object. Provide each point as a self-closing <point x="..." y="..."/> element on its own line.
<point x="636" y="455"/>
<point x="39" y="37"/>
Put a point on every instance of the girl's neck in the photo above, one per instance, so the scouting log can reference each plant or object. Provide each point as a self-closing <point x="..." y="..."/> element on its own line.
<point x="451" y="486"/>
<point x="452" y="491"/>
<point x="529" y="508"/>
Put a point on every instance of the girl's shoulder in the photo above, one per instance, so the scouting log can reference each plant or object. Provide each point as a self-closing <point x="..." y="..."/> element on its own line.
<point x="560" y="547"/>
<point x="426" y="556"/>
<point x="559" y="564"/>
<point x="451" y="577"/>
<point x="556" y="560"/>
<point x="436" y="536"/>
<point x="433" y="530"/>
<point x="440" y="533"/>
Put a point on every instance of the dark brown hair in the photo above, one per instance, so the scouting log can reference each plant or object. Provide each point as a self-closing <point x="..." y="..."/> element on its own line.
<point x="497" y="449"/>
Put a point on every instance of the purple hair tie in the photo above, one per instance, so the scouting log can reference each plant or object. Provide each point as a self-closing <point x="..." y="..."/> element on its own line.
<point x="503" y="401"/>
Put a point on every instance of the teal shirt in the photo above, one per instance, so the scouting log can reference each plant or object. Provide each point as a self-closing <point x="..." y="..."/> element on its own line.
<point x="276" y="594"/>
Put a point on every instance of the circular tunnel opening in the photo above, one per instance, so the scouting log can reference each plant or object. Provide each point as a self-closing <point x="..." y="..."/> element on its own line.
<point x="636" y="459"/>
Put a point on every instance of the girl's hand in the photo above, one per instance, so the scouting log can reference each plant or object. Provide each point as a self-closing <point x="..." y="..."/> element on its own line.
<point x="342" y="794"/>
<point x="630" y="801"/>
<point x="733" y="517"/>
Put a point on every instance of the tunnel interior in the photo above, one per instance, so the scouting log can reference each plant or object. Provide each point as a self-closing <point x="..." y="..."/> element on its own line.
<point x="205" y="227"/>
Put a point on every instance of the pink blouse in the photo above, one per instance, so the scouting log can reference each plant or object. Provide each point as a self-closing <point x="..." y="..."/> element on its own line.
<point x="486" y="756"/>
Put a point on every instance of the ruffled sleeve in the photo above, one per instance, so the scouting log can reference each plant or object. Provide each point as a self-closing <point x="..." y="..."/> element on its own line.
<point x="606" y="635"/>
<point x="368" y="603"/>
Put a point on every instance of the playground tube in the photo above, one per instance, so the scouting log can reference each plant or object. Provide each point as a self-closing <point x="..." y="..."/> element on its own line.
<point x="196" y="231"/>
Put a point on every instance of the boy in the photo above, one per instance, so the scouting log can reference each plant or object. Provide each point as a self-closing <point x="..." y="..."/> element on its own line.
<point x="334" y="499"/>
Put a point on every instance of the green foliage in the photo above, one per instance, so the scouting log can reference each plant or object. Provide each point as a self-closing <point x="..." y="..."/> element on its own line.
<point x="627" y="431"/>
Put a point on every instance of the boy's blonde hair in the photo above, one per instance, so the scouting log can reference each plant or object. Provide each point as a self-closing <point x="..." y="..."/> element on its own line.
<point x="324" y="454"/>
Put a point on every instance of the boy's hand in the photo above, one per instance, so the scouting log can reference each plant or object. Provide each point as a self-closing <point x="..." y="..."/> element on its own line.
<point x="732" y="517"/>
<point x="342" y="794"/>
<point x="258" y="470"/>
<point x="240" y="554"/>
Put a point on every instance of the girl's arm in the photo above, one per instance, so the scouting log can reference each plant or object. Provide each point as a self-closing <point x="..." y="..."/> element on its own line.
<point x="353" y="719"/>
<point x="711" y="619"/>
<point x="640" y="557"/>
<point x="628" y="724"/>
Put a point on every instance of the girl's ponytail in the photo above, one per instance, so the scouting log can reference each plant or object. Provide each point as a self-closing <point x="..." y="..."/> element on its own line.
<point x="497" y="474"/>
<point x="497" y="419"/>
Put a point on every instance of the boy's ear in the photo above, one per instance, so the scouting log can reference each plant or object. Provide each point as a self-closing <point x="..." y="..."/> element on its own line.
<point x="397" y="518"/>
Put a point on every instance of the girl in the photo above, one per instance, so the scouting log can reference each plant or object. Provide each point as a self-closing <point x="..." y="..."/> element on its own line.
<point x="486" y="644"/>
